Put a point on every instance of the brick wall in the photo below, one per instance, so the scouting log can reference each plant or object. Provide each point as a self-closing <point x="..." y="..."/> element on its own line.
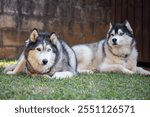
<point x="76" y="21"/>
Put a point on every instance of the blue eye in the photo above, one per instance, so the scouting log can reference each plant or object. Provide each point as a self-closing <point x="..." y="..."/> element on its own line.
<point x="38" y="49"/>
<point x="48" y="50"/>
<point x="121" y="34"/>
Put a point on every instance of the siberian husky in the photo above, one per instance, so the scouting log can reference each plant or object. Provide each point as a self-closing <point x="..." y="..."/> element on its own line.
<point x="116" y="53"/>
<point x="47" y="55"/>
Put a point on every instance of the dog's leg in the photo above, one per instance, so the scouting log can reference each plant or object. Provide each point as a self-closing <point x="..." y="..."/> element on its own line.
<point x="84" y="57"/>
<point x="115" y="68"/>
<point x="61" y="75"/>
<point x="9" y="68"/>
<point x="142" y="71"/>
<point x="84" y="67"/>
<point x="132" y="64"/>
<point x="19" y="67"/>
<point x="85" y="71"/>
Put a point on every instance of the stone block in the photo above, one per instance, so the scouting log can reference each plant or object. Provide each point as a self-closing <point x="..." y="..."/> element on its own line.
<point x="1" y="40"/>
<point x="7" y="21"/>
<point x="54" y="25"/>
<point x="28" y="23"/>
<point x="26" y="7"/>
<point x="38" y="7"/>
<point x="7" y="52"/>
<point x="14" y="38"/>
<point x="10" y="6"/>
<point x="52" y="8"/>
<point x="0" y="7"/>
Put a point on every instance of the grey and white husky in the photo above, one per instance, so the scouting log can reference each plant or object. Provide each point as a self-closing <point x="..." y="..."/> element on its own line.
<point x="116" y="53"/>
<point x="45" y="54"/>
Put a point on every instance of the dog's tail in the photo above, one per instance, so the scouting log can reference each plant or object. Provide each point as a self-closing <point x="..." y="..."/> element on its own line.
<point x="142" y="71"/>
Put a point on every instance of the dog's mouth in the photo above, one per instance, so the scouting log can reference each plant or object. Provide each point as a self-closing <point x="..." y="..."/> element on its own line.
<point x="39" y="69"/>
<point x="114" y="43"/>
<point x="43" y="69"/>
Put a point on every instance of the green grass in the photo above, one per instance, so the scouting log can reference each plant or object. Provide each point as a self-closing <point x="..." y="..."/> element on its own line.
<point x="84" y="86"/>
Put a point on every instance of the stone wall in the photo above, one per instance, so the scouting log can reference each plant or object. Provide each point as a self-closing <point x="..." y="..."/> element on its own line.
<point x="76" y="21"/>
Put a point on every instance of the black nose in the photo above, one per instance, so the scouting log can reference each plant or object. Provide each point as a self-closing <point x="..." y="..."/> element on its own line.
<point x="45" y="61"/>
<point x="114" y="40"/>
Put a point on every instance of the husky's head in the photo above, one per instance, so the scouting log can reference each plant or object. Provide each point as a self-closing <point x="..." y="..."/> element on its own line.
<point x="41" y="51"/>
<point x="120" y="34"/>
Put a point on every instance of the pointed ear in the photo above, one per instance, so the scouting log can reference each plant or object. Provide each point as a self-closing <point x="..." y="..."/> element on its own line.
<point x="34" y="35"/>
<point x="127" y="24"/>
<point x="110" y="26"/>
<point x="53" y="38"/>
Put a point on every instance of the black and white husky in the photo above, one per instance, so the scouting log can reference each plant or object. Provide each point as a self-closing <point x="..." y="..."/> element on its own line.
<point x="116" y="53"/>
<point x="45" y="54"/>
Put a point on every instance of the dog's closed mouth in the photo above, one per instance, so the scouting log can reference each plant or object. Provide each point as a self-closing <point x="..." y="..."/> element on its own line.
<point x="115" y="44"/>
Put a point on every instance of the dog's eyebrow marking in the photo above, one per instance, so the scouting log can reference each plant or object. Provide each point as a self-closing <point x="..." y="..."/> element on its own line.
<point x="44" y="45"/>
<point x="113" y="32"/>
<point x="40" y="46"/>
<point x="120" y="31"/>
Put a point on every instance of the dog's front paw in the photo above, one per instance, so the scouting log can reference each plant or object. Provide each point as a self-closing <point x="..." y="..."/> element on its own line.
<point x="131" y="72"/>
<point x="127" y="71"/>
<point x="47" y="76"/>
<point x="10" y="73"/>
<point x="9" y="68"/>
<point x="86" y="71"/>
<point x="146" y="73"/>
<point x="61" y="75"/>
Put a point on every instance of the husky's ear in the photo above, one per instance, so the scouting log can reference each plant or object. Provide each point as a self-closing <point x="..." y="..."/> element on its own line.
<point x="53" y="38"/>
<point x="127" y="24"/>
<point x="34" y="35"/>
<point x="110" y="27"/>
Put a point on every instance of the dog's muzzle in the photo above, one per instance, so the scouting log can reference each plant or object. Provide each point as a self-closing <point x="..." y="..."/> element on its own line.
<point x="114" y="41"/>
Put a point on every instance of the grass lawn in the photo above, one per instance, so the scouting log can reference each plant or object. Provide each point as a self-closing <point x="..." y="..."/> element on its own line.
<point x="84" y="86"/>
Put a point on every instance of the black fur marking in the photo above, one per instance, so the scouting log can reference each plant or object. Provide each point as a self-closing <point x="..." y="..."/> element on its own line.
<point x="121" y="26"/>
<point x="43" y="37"/>
<point x="65" y="53"/>
<point x="103" y="48"/>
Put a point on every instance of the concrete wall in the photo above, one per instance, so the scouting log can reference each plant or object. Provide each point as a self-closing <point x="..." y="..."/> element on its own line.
<point x="76" y="21"/>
